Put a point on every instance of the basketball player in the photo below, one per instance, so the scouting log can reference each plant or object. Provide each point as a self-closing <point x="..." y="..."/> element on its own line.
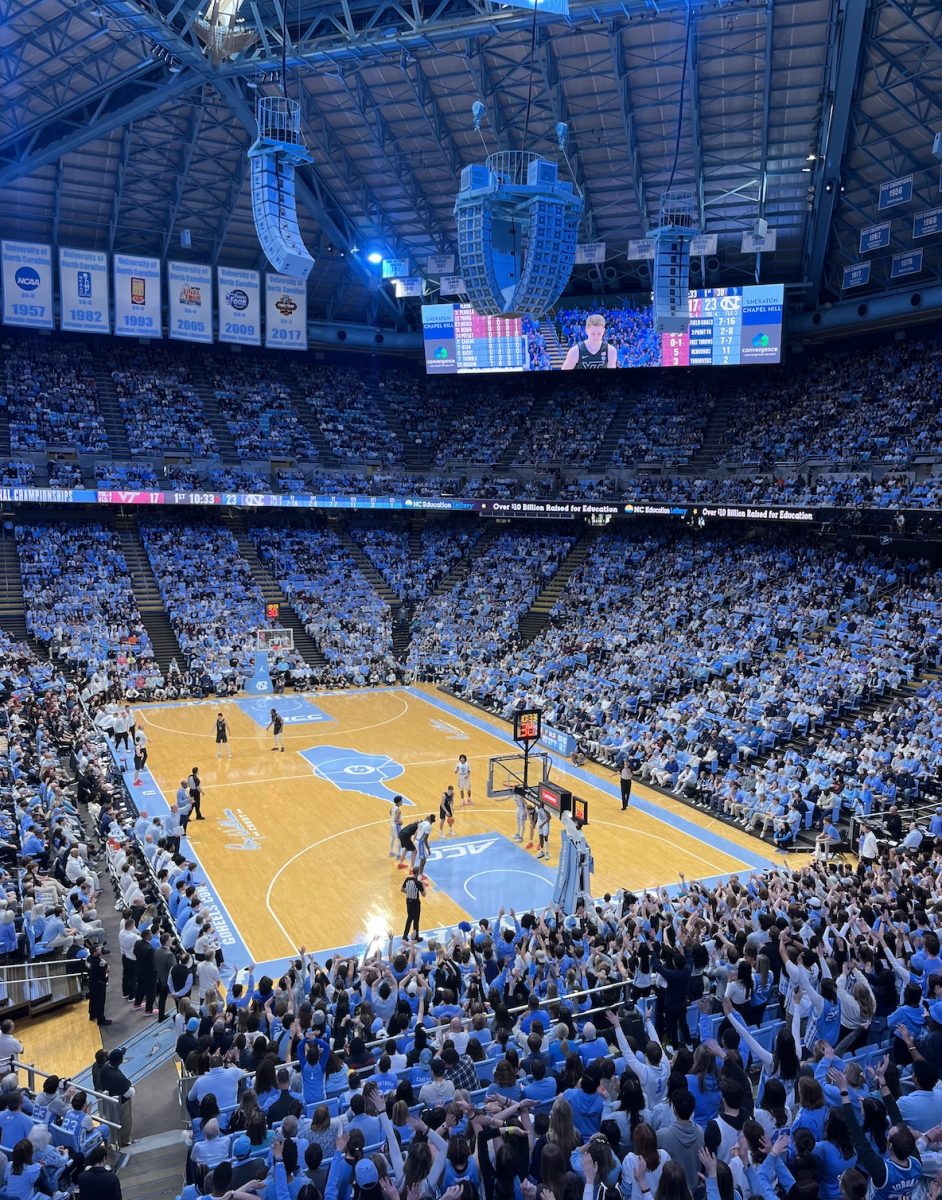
<point x="594" y="354"/>
<point x="463" y="771"/>
<point x="140" y="755"/>
<point x="276" y="724"/>
<point x="446" y="810"/>
<point x="422" y="844"/>
<point x="407" y="845"/>
<point x="222" y="736"/>
<point x="521" y="816"/>
<point x="543" y="825"/>
<point x="395" y="828"/>
<point x="531" y="816"/>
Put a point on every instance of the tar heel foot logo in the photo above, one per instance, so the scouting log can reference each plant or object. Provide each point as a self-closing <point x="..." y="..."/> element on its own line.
<point x="353" y="771"/>
<point x="239" y="827"/>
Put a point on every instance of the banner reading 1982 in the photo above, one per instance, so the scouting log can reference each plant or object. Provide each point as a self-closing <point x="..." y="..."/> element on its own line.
<point x="240" y="306"/>
<point x="285" y="313"/>
<point x="27" y="284"/>
<point x="137" y="296"/>
<point x="83" y="289"/>
<point x="190" y="291"/>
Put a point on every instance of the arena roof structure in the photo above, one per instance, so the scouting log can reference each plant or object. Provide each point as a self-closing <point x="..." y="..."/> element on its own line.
<point x="124" y="122"/>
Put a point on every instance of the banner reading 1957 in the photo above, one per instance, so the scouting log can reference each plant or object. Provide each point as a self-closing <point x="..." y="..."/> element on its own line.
<point x="137" y="296"/>
<point x="27" y="284"/>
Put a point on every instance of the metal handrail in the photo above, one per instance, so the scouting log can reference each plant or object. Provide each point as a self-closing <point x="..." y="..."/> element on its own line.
<point x="32" y="1071"/>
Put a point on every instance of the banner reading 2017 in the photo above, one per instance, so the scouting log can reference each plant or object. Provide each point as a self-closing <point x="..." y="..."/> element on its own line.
<point x="190" y="289"/>
<point x="27" y="284"/>
<point x="137" y="296"/>
<point x="285" y="313"/>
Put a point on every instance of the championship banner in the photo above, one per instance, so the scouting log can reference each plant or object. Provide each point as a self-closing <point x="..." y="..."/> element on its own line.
<point x="395" y="268"/>
<point x="440" y="264"/>
<point x="240" y="306"/>
<point x="896" y="191"/>
<point x="136" y="296"/>
<point x="640" y="248"/>
<point x="704" y="243"/>
<point x="590" y="252"/>
<point x="190" y="289"/>
<point x="452" y="285"/>
<point x="874" y="237"/>
<point x="83" y="289"/>
<point x="753" y="244"/>
<point x="927" y="223"/>
<point x="412" y="285"/>
<point x="856" y="276"/>
<point x="27" y="284"/>
<point x="907" y="263"/>
<point x="285" y="313"/>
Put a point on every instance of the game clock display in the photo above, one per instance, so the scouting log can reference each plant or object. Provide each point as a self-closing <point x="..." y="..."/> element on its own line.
<point x="527" y="726"/>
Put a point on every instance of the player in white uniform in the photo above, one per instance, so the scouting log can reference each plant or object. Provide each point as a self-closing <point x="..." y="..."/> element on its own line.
<point x="543" y="826"/>
<point x="395" y="824"/>
<point x="463" y="771"/>
<point x="521" y="817"/>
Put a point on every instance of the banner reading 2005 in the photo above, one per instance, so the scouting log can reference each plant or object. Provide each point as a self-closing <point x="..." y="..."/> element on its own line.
<point x="240" y="306"/>
<point x="136" y="296"/>
<point x="27" y="284"/>
<point x="285" y="313"/>
<point x="190" y="287"/>
<point x="83" y="286"/>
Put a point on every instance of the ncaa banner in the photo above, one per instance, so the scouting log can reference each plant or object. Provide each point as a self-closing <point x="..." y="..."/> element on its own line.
<point x="240" y="306"/>
<point x="136" y="296"/>
<point x="83" y="290"/>
<point x="27" y="284"/>
<point x="190" y="287"/>
<point x="285" y="312"/>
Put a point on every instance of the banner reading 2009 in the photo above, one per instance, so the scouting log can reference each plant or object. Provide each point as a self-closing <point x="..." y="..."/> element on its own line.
<point x="240" y="306"/>
<point x="136" y="296"/>
<point x="27" y="284"/>
<point x="285" y="313"/>
<point x="190" y="287"/>
<point x="83" y="287"/>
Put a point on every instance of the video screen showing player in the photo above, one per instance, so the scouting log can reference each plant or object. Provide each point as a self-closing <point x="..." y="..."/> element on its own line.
<point x="594" y="353"/>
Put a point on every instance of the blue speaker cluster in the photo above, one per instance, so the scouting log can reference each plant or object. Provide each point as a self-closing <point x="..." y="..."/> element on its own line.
<point x="275" y="156"/>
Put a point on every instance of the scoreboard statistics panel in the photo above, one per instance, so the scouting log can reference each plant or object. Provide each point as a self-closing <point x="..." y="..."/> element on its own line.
<point x="728" y="327"/>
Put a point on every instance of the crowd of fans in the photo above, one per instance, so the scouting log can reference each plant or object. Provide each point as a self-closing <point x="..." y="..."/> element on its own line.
<point x="348" y="410"/>
<point x="159" y="402"/>
<point x="214" y="604"/>
<point x="80" y="604"/>
<point x="341" y="611"/>
<point x="260" y="412"/>
<point x="50" y="397"/>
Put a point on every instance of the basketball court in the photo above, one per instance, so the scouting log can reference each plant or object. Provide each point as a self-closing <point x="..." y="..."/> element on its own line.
<point x="295" y="845"/>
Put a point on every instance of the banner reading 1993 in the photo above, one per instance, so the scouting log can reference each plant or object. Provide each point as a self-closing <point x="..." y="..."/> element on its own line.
<point x="190" y="287"/>
<point x="240" y="306"/>
<point x="27" y="284"/>
<point x="83" y="287"/>
<point x="136" y="296"/>
<point x="285" y="313"/>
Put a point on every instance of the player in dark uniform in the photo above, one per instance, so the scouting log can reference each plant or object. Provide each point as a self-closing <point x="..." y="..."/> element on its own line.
<point x="594" y="354"/>
<point x="446" y="811"/>
<point x="276" y="724"/>
<point x="222" y="736"/>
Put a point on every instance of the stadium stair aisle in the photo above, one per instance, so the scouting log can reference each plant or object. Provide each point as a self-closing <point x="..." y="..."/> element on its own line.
<point x="153" y="1170"/>
<point x="414" y="457"/>
<point x="538" y="614"/>
<point x="375" y="579"/>
<point x="602" y="459"/>
<point x="554" y="348"/>
<point x="147" y="594"/>
<point x="211" y="410"/>
<point x="464" y="564"/>
<point x="272" y="593"/>
<point x="110" y="410"/>
<point x="12" y="600"/>
<point x="715" y="436"/>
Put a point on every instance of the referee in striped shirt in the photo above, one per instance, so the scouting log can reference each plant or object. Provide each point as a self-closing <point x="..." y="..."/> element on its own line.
<point x="414" y="889"/>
